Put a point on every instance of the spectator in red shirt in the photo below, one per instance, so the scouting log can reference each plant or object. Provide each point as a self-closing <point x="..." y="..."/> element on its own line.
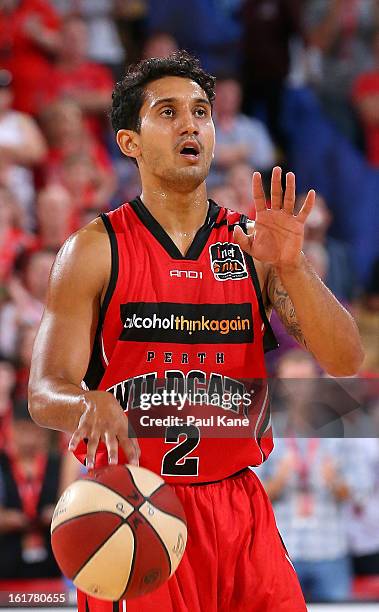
<point x="22" y="148"/>
<point x="366" y="100"/>
<point x="12" y="239"/>
<point x="29" y="39"/>
<point x="54" y="217"/>
<point x="159" y="44"/>
<point x="75" y="159"/>
<point x="26" y="300"/>
<point x="89" y="84"/>
<point x="7" y="381"/>
<point x="239" y="178"/>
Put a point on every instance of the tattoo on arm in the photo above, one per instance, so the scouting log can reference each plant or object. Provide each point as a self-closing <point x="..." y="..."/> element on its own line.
<point x="284" y="307"/>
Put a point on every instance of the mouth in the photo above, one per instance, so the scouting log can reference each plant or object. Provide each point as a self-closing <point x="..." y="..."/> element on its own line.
<point x="190" y="150"/>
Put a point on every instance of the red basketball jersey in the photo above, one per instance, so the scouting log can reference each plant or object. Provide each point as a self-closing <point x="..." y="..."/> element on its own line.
<point x="180" y="343"/>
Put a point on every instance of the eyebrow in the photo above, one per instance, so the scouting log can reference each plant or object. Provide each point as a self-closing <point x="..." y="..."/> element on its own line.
<point x="171" y="100"/>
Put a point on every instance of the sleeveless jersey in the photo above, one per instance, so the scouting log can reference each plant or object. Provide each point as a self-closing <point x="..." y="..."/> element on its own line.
<point x="174" y="328"/>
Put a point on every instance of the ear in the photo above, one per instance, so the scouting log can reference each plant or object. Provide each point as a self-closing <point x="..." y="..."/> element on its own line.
<point x="128" y="141"/>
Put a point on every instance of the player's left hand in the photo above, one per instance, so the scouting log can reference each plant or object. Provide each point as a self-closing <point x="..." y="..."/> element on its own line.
<point x="278" y="234"/>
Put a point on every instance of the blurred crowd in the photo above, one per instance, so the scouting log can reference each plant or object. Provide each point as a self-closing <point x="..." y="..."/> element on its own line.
<point x="60" y="168"/>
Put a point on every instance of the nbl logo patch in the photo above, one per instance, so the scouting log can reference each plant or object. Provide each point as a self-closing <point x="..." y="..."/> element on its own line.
<point x="227" y="261"/>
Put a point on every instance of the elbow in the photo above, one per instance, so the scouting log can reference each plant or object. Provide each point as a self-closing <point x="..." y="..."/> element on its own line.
<point x="348" y="365"/>
<point x="34" y="405"/>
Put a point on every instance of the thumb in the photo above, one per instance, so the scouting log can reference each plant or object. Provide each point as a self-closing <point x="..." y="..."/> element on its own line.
<point x="242" y="239"/>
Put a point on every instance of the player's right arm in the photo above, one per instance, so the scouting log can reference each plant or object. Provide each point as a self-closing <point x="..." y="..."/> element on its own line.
<point x="63" y="346"/>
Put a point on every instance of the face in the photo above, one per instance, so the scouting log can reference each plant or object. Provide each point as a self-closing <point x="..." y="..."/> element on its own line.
<point x="228" y="100"/>
<point x="240" y="178"/>
<point x="296" y="369"/>
<point x="160" y="45"/>
<point x="53" y="205"/>
<point x="63" y="123"/>
<point x="176" y="141"/>
<point x="9" y="5"/>
<point x="75" y="39"/>
<point x="298" y="377"/>
<point x="319" y="218"/>
<point x="28" y="438"/>
<point x="224" y="195"/>
<point x="37" y="274"/>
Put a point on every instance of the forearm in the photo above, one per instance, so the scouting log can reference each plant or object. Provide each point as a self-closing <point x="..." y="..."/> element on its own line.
<point x="274" y="487"/>
<point x="93" y="102"/>
<point x="316" y="319"/>
<point x="56" y="403"/>
<point x="22" y="155"/>
<point x="49" y="40"/>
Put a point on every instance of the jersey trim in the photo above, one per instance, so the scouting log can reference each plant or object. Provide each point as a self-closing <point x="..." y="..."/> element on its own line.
<point x="164" y="239"/>
<point x="270" y="342"/>
<point x="96" y="369"/>
<point x="114" y="266"/>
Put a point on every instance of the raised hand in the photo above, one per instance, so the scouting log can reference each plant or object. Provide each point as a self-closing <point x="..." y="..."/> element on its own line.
<point x="278" y="234"/>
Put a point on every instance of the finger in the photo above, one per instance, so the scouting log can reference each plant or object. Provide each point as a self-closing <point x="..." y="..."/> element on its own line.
<point x="112" y="447"/>
<point x="93" y="443"/>
<point x="307" y="206"/>
<point x="289" y="196"/>
<point x="258" y="193"/>
<point x="242" y="239"/>
<point x="78" y="435"/>
<point x="131" y="448"/>
<point x="276" y="188"/>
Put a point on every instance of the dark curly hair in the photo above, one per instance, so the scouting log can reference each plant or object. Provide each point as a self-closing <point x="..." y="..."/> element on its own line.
<point x="129" y="94"/>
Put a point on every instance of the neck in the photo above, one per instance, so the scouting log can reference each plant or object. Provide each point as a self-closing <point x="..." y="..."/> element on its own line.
<point x="177" y="212"/>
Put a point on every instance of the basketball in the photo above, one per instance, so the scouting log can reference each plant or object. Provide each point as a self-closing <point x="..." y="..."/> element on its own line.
<point x="119" y="532"/>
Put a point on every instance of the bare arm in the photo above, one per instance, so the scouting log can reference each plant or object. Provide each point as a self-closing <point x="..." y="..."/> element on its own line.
<point x="48" y="39"/>
<point x="31" y="148"/>
<point x="63" y="347"/>
<point x="315" y="318"/>
<point x="307" y="308"/>
<point x="277" y="483"/>
<point x="93" y="101"/>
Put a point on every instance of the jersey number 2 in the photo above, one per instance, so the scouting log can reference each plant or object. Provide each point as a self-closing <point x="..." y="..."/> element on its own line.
<point x="175" y="462"/>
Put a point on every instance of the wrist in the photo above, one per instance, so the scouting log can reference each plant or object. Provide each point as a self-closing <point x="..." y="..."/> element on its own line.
<point x="290" y="269"/>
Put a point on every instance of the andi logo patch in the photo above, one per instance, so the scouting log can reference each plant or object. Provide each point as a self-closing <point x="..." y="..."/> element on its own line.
<point x="227" y="261"/>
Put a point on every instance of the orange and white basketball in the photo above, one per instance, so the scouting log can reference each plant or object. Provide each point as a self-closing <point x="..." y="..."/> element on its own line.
<point x="119" y="532"/>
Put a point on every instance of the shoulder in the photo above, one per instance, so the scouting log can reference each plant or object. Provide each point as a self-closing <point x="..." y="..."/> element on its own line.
<point x="86" y="255"/>
<point x="89" y="238"/>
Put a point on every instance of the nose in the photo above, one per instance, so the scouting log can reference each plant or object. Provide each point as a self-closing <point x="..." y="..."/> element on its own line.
<point x="188" y="124"/>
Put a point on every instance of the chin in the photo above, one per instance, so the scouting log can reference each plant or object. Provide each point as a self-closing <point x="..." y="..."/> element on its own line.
<point x="186" y="179"/>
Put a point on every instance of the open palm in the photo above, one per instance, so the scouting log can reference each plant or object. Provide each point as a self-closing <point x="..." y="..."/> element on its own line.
<point x="278" y="234"/>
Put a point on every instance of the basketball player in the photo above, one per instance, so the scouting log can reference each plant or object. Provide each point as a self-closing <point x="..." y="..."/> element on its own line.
<point x="172" y="286"/>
